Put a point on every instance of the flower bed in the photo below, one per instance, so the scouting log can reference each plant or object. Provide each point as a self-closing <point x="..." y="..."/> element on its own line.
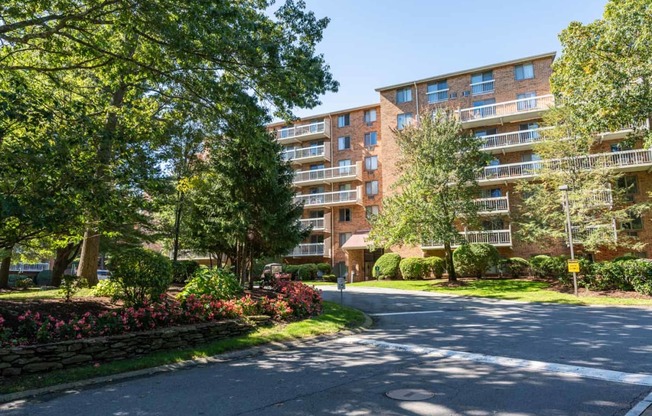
<point x="293" y="301"/>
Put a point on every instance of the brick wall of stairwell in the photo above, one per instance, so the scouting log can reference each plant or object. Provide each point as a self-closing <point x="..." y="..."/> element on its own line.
<point x="356" y="131"/>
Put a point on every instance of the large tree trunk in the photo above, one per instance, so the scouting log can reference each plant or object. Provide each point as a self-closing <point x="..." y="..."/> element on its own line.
<point x="4" y="271"/>
<point x="64" y="256"/>
<point x="452" y="277"/>
<point x="90" y="253"/>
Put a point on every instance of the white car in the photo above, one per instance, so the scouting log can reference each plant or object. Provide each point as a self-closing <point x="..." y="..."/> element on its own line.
<point x="103" y="274"/>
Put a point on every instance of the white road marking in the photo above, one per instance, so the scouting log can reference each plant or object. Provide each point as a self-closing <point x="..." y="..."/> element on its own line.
<point x="640" y="408"/>
<point x="640" y="379"/>
<point x="403" y="313"/>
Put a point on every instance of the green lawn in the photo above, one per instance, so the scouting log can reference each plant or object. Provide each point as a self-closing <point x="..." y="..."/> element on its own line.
<point x="335" y="318"/>
<point x="512" y="289"/>
<point x="30" y="294"/>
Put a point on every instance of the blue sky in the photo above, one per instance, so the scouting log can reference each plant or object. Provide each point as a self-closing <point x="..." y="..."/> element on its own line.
<point x="370" y="44"/>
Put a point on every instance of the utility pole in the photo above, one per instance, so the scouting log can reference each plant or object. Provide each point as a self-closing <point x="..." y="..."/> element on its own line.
<point x="569" y="231"/>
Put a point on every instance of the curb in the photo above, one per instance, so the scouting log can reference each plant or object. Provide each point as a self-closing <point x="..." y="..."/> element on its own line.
<point x="167" y="368"/>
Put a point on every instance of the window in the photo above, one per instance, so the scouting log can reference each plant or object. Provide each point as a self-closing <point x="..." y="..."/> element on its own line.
<point x="403" y="120"/>
<point x="344" y="143"/>
<point x="493" y="225"/>
<point x="316" y="148"/>
<point x="344" y="237"/>
<point x="437" y="92"/>
<point x="369" y="116"/>
<point x="371" y="162"/>
<point x="316" y="239"/>
<point x="317" y="214"/>
<point x="371" y="211"/>
<point x="345" y="214"/>
<point x="629" y="185"/>
<point x="621" y="147"/>
<point x="371" y="188"/>
<point x="491" y="193"/>
<point x="403" y="95"/>
<point x="524" y="71"/>
<point x="344" y="167"/>
<point x="488" y="141"/>
<point x="316" y="171"/>
<point x="343" y="120"/>
<point x="634" y="224"/>
<point x="530" y="157"/>
<point x="482" y="83"/>
<point x="370" y="139"/>
<point x="344" y="187"/>
<point x="528" y="132"/>
<point x="486" y="108"/>
<point x="525" y="104"/>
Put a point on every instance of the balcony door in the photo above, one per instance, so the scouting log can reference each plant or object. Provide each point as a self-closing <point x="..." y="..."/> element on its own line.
<point x="524" y="104"/>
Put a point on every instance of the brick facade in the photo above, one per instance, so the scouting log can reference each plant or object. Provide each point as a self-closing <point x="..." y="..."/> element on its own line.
<point x="460" y="94"/>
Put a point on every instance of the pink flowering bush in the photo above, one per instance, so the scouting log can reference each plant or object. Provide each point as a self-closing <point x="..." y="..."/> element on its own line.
<point x="304" y="300"/>
<point x="294" y="300"/>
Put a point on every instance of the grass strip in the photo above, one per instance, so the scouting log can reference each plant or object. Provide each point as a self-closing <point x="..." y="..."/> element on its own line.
<point x="508" y="289"/>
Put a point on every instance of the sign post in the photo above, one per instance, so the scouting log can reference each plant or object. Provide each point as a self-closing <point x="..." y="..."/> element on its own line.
<point x="341" y="285"/>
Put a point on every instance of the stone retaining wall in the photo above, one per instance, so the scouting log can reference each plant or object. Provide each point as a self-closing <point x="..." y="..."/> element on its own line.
<point x="31" y="359"/>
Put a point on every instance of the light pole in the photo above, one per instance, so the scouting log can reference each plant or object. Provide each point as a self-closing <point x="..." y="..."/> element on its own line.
<point x="569" y="231"/>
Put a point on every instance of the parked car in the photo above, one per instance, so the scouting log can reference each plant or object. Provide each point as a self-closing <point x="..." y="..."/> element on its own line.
<point x="103" y="274"/>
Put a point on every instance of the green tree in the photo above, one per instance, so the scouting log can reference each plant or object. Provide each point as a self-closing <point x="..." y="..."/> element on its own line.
<point x="436" y="188"/>
<point x="131" y="61"/>
<point x="604" y="74"/>
<point x="243" y="207"/>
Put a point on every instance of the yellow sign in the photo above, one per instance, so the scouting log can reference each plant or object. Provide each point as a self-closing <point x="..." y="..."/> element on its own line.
<point x="573" y="266"/>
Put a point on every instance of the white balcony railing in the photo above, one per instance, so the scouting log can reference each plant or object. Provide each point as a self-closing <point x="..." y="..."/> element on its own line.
<point x="326" y="175"/>
<point x="580" y="234"/>
<point x="321" y="128"/>
<point x="482" y="87"/>
<point x="615" y="160"/>
<point x="313" y="249"/>
<point x="507" y="108"/>
<point x="317" y="224"/>
<point x="299" y="154"/>
<point x="329" y="198"/>
<point x="29" y="267"/>
<point x="495" y="205"/>
<point x="513" y="139"/>
<point x="498" y="238"/>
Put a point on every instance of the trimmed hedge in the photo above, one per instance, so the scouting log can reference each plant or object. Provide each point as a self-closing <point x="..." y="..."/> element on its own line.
<point x="475" y="259"/>
<point x="388" y="266"/>
<point x="515" y="267"/>
<point x="330" y="278"/>
<point x="436" y="266"/>
<point x="307" y="271"/>
<point x="143" y="275"/>
<point x="325" y="268"/>
<point x="413" y="268"/>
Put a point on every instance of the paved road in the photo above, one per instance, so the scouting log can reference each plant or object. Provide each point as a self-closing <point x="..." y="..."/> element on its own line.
<point x="478" y="357"/>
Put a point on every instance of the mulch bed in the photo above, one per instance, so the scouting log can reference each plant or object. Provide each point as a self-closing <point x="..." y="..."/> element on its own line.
<point x="11" y="309"/>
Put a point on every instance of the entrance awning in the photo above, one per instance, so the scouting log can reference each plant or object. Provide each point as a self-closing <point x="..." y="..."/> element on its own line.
<point x="357" y="241"/>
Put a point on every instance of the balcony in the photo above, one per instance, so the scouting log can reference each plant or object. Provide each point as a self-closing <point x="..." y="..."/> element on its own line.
<point x="497" y="238"/>
<point x="513" y="141"/>
<point x="505" y="112"/>
<point x="626" y="161"/>
<point x="308" y="154"/>
<point x="329" y="175"/>
<point x="312" y="250"/>
<point x="305" y="132"/>
<point x="603" y="232"/>
<point x="495" y="205"/>
<point x="319" y="225"/>
<point x="482" y="87"/>
<point x="331" y="199"/>
<point x="29" y="267"/>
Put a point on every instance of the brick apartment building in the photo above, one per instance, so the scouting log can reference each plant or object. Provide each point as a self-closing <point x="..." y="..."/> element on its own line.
<point x="346" y="161"/>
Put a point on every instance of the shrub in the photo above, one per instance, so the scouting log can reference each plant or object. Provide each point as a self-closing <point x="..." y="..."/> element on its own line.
<point x="304" y="300"/>
<point x="291" y="269"/>
<point x="435" y="265"/>
<point x="307" y="271"/>
<point x="639" y="273"/>
<point x="13" y="278"/>
<point x="44" y="278"/>
<point x="70" y="285"/>
<point x="539" y="264"/>
<point x="413" y="268"/>
<point x="24" y="282"/>
<point x="325" y="268"/>
<point x="183" y="270"/>
<point x="387" y="266"/>
<point x="107" y="289"/>
<point x="516" y="267"/>
<point x="475" y="259"/>
<point x="330" y="278"/>
<point x="217" y="283"/>
<point x="142" y="275"/>
<point x="606" y="275"/>
<point x="626" y="257"/>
